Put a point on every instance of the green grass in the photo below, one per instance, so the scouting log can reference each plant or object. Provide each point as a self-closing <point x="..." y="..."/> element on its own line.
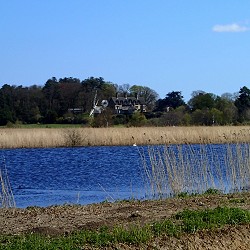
<point x="184" y="222"/>
<point x="237" y="200"/>
<point x="43" y="126"/>
<point x="193" y="221"/>
<point x="212" y="191"/>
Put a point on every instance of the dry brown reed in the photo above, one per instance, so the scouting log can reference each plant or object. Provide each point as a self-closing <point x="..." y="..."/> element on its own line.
<point x="194" y="169"/>
<point x="61" y="137"/>
<point x="6" y="196"/>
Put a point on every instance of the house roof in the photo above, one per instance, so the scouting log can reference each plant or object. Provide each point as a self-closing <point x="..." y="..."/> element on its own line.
<point x="133" y="100"/>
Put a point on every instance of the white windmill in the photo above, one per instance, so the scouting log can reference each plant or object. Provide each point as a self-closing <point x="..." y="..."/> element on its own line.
<point x="98" y="109"/>
<point x="95" y="102"/>
<point x="105" y="104"/>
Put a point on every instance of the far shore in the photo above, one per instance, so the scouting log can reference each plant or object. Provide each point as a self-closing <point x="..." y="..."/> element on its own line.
<point x="113" y="136"/>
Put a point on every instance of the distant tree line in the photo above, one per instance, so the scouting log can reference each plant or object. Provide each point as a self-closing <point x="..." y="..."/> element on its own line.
<point x="56" y="101"/>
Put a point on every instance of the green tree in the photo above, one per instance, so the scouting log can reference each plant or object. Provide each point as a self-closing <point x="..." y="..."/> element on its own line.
<point x="7" y="104"/>
<point x="175" y="117"/>
<point x="197" y="117"/>
<point x="137" y="119"/>
<point x="51" y="94"/>
<point x="172" y="100"/>
<point x="6" y="116"/>
<point x="216" y="117"/>
<point x="69" y="89"/>
<point x="229" y="111"/>
<point x="202" y="101"/>
<point x="243" y="104"/>
<point x="50" y="117"/>
<point x="90" y="87"/>
<point x="108" y="90"/>
<point x="28" y="101"/>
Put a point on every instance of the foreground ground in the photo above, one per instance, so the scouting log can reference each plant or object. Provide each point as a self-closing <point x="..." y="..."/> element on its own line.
<point x="62" y="220"/>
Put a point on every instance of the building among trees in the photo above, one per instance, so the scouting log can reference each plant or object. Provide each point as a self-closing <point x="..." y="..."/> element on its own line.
<point x="127" y="105"/>
<point x="70" y="100"/>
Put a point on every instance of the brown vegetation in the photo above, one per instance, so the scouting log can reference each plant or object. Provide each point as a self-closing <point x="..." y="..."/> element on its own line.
<point x="61" y="137"/>
<point x="6" y="196"/>
<point x="188" y="169"/>
<point x="62" y="220"/>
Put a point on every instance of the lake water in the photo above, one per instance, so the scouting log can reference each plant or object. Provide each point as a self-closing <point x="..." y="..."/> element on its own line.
<point x="43" y="177"/>
<point x="84" y="175"/>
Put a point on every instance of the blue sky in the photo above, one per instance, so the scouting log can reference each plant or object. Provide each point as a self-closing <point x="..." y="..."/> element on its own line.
<point x="167" y="45"/>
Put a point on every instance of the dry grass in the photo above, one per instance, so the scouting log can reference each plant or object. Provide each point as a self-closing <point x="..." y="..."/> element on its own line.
<point x="61" y="137"/>
<point x="194" y="169"/>
<point x="6" y="196"/>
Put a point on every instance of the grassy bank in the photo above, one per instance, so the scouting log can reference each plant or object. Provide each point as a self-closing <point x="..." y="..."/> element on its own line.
<point x="185" y="222"/>
<point x="61" y="137"/>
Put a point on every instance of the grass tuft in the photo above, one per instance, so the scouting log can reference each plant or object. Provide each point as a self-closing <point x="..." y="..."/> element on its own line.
<point x="193" y="221"/>
<point x="212" y="191"/>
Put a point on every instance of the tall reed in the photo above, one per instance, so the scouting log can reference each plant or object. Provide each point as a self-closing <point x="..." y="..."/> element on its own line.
<point x="175" y="169"/>
<point x="7" y="199"/>
<point x="61" y="137"/>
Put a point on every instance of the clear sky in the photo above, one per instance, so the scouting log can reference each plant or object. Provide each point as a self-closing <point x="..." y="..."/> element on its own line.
<point x="167" y="45"/>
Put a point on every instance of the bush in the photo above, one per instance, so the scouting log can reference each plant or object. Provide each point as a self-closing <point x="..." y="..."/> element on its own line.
<point x="73" y="137"/>
<point x="137" y="119"/>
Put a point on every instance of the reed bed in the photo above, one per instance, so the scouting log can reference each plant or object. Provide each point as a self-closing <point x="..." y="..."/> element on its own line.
<point x="195" y="168"/>
<point x="6" y="196"/>
<point x="67" y="137"/>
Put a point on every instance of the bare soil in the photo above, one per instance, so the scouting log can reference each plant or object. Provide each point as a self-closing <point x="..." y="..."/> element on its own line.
<point x="62" y="220"/>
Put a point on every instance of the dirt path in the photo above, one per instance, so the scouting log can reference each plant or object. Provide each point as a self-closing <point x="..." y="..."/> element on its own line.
<point x="57" y="220"/>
